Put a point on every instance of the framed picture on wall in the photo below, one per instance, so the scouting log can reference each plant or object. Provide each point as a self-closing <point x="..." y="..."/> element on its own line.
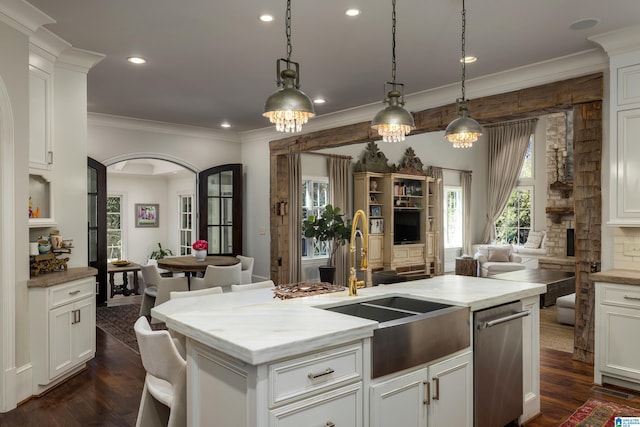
<point x="147" y="214"/>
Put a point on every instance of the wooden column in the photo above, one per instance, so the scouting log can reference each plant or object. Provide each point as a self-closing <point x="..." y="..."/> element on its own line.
<point x="587" y="119"/>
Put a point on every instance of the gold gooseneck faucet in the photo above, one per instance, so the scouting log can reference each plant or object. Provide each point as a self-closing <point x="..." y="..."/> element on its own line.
<point x="354" y="283"/>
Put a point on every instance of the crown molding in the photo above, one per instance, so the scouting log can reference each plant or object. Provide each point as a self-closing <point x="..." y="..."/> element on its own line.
<point x="23" y="16"/>
<point x="79" y="59"/>
<point x="128" y="123"/>
<point x="619" y="41"/>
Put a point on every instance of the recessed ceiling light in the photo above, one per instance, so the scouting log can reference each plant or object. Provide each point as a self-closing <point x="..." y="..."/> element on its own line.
<point x="266" y="17"/>
<point x="136" y="60"/>
<point x="319" y="101"/>
<point x="583" y="24"/>
<point x="352" y="12"/>
<point x="225" y="124"/>
<point x="469" y="59"/>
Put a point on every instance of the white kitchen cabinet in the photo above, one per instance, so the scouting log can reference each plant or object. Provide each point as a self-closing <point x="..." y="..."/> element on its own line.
<point x="322" y="388"/>
<point x="440" y="394"/>
<point x="40" y="114"/>
<point x="62" y="330"/>
<point x="617" y="320"/>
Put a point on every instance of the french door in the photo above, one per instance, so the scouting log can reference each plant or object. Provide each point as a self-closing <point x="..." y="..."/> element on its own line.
<point x="97" y="223"/>
<point x="220" y="204"/>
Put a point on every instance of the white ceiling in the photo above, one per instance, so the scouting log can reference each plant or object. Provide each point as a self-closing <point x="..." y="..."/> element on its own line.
<point x="211" y="61"/>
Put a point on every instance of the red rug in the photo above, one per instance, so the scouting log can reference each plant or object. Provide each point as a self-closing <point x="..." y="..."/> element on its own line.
<point x="595" y="413"/>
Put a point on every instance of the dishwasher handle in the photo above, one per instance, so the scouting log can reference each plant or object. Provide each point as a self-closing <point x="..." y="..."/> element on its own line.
<point x="504" y="319"/>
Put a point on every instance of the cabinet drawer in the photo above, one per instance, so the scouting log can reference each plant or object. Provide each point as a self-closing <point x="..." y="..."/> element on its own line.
<point x="408" y="252"/>
<point x="314" y="373"/>
<point x="623" y="296"/>
<point x="69" y="292"/>
<point x="342" y="407"/>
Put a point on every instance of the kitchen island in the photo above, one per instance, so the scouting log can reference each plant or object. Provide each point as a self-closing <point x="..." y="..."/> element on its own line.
<point x="258" y="361"/>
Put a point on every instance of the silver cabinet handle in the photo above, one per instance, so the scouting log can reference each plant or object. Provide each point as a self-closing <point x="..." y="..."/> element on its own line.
<point x="74" y="292"/>
<point x="632" y="298"/>
<point x="330" y="424"/>
<point x="504" y="319"/>
<point x="436" y="395"/>
<point x="313" y="376"/>
<point x="427" y="392"/>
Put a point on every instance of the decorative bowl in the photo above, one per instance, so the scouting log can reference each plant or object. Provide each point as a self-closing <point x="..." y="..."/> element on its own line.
<point x="120" y="263"/>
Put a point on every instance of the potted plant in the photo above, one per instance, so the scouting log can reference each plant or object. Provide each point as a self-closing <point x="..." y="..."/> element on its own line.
<point x="332" y="228"/>
<point x="160" y="252"/>
<point x="200" y="248"/>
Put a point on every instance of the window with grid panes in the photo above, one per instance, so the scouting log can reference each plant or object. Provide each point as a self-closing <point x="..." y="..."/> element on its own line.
<point x="453" y="217"/>
<point x="114" y="228"/>
<point x="186" y="224"/>
<point x="315" y="196"/>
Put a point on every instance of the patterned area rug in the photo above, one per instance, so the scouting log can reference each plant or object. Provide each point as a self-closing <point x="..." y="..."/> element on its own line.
<point x="118" y="321"/>
<point x="596" y="413"/>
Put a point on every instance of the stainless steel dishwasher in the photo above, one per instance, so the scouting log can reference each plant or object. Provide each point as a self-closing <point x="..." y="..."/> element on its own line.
<point x="497" y="355"/>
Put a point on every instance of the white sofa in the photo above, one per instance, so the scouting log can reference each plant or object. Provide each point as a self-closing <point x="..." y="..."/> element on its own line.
<point x="496" y="259"/>
<point x="533" y="249"/>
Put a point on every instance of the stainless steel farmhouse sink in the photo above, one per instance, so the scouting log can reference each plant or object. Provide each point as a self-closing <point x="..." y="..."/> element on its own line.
<point x="411" y="331"/>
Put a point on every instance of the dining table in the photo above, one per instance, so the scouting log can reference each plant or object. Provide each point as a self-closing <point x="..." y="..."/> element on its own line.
<point x="191" y="266"/>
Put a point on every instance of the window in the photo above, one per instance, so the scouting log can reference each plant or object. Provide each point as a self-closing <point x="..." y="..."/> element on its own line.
<point x="527" y="166"/>
<point x="315" y="196"/>
<point x="514" y="223"/>
<point x="453" y="217"/>
<point x="186" y="224"/>
<point x="114" y="228"/>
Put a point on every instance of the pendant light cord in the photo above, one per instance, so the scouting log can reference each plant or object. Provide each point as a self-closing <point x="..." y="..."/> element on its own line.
<point x="393" y="43"/>
<point x="464" y="62"/>
<point x="288" y="32"/>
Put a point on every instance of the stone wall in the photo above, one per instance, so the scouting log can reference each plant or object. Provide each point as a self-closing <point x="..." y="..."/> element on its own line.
<point x="559" y="131"/>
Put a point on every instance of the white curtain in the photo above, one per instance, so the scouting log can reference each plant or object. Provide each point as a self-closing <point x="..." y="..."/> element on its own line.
<point x="465" y="179"/>
<point x="507" y="147"/>
<point x="436" y="172"/>
<point x="295" y="218"/>
<point x="339" y="176"/>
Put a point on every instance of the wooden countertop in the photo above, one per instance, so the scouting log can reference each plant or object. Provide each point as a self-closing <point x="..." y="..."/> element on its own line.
<point x="58" y="277"/>
<point x="624" y="277"/>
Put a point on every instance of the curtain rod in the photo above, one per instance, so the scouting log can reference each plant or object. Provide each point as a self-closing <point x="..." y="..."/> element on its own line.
<point x="335" y="156"/>
<point x="510" y="122"/>
<point x="452" y="169"/>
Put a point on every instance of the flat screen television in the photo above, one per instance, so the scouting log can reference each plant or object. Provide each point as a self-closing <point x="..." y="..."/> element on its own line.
<point x="406" y="227"/>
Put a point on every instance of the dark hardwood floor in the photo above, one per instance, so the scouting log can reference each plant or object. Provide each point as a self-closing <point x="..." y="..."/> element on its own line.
<point x="108" y="392"/>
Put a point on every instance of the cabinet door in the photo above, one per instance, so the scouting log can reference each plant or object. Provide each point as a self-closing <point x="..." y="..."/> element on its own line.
<point x="40" y="152"/>
<point x="627" y="204"/>
<point x="452" y="392"/>
<point x="375" y="251"/>
<point x="341" y="407"/>
<point x="401" y="401"/>
<point x="61" y="355"/>
<point x="84" y="331"/>
<point x="619" y="352"/>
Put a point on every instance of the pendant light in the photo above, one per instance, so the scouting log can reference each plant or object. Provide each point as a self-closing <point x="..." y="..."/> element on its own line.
<point x="393" y="123"/>
<point x="463" y="131"/>
<point x="288" y="108"/>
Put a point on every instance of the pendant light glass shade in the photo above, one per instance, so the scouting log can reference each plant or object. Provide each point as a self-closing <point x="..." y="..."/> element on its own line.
<point x="288" y="108"/>
<point x="393" y="123"/>
<point x="463" y="131"/>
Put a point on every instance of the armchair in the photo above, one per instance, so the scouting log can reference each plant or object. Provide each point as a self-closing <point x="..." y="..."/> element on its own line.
<point x="495" y="259"/>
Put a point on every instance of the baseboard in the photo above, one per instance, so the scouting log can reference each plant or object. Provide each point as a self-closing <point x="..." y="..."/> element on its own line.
<point x="24" y="383"/>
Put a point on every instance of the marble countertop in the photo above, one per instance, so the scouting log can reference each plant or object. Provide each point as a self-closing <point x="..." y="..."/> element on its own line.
<point x="256" y="328"/>
<point x="58" y="277"/>
<point x="624" y="277"/>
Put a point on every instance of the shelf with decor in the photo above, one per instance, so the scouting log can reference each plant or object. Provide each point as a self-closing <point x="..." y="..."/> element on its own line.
<point x="40" y="201"/>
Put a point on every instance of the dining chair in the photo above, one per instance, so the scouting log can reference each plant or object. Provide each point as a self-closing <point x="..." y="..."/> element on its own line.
<point x="247" y="269"/>
<point x="251" y="286"/>
<point x="163" y="286"/>
<point x="164" y="396"/>
<point x="215" y="275"/>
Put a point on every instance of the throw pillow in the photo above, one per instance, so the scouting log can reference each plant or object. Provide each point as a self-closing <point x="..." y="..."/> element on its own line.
<point x="534" y="240"/>
<point x="498" y="254"/>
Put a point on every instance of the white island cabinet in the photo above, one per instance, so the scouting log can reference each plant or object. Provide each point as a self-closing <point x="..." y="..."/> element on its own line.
<point x="256" y="361"/>
<point x="62" y="325"/>
<point x="617" y="321"/>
